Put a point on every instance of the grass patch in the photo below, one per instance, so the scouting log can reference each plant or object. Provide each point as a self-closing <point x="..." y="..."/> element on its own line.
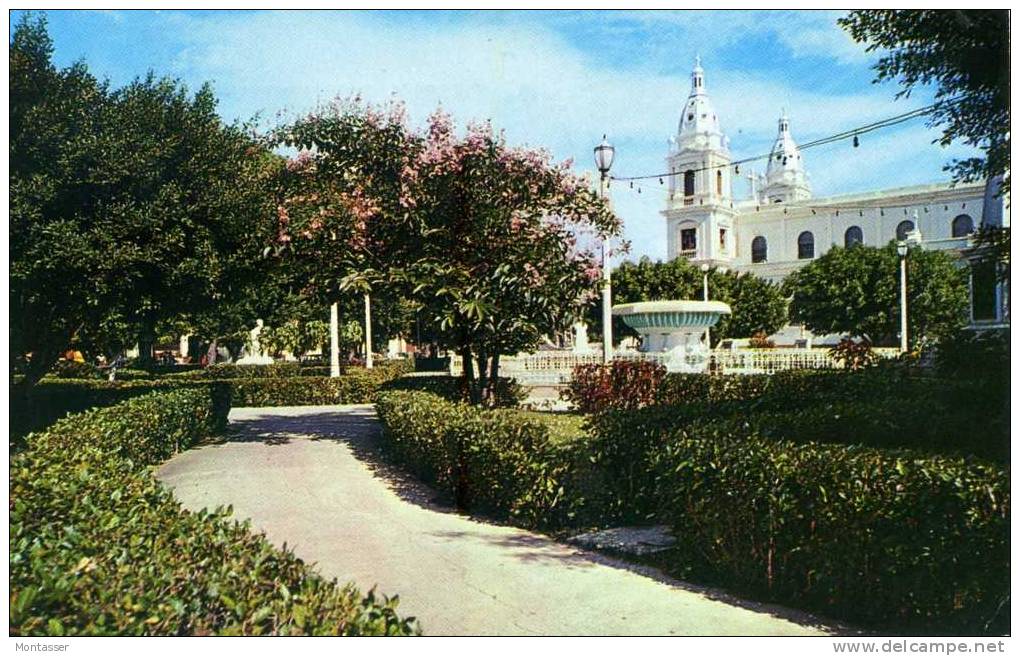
<point x="563" y="427"/>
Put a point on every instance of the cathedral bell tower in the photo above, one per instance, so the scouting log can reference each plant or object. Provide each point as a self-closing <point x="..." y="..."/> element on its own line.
<point x="785" y="179"/>
<point x="699" y="207"/>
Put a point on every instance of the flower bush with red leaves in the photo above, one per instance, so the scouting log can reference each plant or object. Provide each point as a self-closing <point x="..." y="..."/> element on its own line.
<point x="622" y="385"/>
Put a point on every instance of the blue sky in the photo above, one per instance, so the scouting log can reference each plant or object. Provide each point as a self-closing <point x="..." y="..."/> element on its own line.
<point x="558" y="79"/>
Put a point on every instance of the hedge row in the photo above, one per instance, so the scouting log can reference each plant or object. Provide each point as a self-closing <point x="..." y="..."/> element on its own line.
<point x="887" y="536"/>
<point x="488" y="461"/>
<point x="884" y="408"/>
<point x="52" y="399"/>
<point x="509" y="393"/>
<point x="624" y="385"/>
<point x="384" y="368"/>
<point x="99" y="547"/>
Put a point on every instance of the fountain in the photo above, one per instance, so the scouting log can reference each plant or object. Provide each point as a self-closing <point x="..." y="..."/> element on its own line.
<point x="671" y="331"/>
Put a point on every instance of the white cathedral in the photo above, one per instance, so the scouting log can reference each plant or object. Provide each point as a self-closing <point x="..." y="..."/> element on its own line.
<point x="782" y="227"/>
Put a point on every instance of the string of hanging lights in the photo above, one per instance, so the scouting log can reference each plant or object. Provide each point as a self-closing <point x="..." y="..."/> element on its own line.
<point x="853" y="134"/>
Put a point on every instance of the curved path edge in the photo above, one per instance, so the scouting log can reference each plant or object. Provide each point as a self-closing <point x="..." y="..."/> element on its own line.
<point x="312" y="478"/>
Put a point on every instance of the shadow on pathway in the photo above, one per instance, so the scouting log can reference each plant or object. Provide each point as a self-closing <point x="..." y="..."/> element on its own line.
<point x="318" y="459"/>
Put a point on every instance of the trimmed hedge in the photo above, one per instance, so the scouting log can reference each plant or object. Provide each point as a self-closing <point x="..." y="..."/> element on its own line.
<point x="99" y="547"/>
<point x="882" y="536"/>
<point x="787" y="388"/>
<point x="488" y="461"/>
<point x="52" y="399"/>
<point x="886" y="536"/>
<point x="509" y="393"/>
<point x="876" y="407"/>
<point x="894" y="537"/>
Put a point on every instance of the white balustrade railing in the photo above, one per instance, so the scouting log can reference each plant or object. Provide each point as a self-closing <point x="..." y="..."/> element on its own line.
<point x="553" y="368"/>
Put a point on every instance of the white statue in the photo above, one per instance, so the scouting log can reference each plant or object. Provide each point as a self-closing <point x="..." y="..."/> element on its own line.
<point x="581" y="338"/>
<point x="253" y="353"/>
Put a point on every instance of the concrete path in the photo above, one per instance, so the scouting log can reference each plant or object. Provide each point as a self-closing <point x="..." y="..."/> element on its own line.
<point x="312" y="478"/>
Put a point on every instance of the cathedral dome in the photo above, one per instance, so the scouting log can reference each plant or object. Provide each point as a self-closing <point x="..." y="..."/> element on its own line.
<point x="699" y="124"/>
<point x="785" y="179"/>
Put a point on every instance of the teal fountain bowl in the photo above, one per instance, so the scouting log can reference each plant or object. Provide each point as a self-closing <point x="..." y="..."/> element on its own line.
<point x="657" y="316"/>
<point x="672" y="331"/>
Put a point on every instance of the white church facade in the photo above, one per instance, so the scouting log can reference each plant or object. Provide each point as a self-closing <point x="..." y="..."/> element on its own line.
<point x="781" y="226"/>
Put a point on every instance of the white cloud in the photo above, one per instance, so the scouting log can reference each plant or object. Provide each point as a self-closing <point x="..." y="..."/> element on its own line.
<point x="544" y="91"/>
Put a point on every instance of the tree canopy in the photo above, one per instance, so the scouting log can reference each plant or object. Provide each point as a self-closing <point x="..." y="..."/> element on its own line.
<point x="965" y="54"/>
<point x="856" y="291"/>
<point x="482" y="238"/>
<point x="128" y="206"/>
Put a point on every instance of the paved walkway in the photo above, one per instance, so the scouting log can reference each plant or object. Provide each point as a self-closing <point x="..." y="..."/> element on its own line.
<point x="311" y="478"/>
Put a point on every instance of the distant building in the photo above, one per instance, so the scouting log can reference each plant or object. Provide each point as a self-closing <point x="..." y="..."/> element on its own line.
<point x="782" y="227"/>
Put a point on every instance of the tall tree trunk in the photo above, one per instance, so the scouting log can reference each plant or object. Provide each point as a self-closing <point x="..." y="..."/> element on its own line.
<point x="42" y="361"/>
<point x="146" y="340"/>
<point x="468" y="379"/>
<point x="483" y="376"/>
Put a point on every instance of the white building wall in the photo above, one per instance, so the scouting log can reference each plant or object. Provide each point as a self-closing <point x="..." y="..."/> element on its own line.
<point x="877" y="215"/>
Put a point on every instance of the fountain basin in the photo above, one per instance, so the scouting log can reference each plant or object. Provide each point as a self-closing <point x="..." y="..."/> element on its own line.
<point x="673" y="330"/>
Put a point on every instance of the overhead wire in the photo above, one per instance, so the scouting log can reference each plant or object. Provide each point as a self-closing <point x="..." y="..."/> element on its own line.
<point x="839" y="136"/>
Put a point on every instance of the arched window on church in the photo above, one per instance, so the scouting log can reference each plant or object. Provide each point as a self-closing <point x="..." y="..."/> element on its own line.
<point x="688" y="183"/>
<point x="718" y="183"/>
<point x="963" y="225"/>
<point x="902" y="229"/>
<point x="759" y="250"/>
<point x="805" y="246"/>
<point x="853" y="236"/>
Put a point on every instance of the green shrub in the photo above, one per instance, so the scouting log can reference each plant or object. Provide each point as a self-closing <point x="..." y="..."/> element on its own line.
<point x="876" y="535"/>
<point x="226" y="371"/>
<point x="355" y="386"/>
<point x="883" y="536"/>
<point x="509" y="393"/>
<point x="678" y="389"/>
<point x="99" y="547"/>
<point x="488" y="461"/>
<point x="52" y="399"/>
<point x="73" y="369"/>
<point x="592" y="393"/>
<point x="131" y="374"/>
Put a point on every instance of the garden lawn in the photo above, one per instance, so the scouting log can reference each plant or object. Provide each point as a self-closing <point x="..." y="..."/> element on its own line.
<point x="563" y="427"/>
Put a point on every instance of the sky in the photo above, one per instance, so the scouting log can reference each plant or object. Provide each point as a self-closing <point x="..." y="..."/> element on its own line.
<point x="555" y="79"/>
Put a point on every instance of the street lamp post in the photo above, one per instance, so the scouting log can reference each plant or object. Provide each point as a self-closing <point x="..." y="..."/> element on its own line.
<point x="604" y="154"/>
<point x="912" y="238"/>
<point x="901" y="248"/>
<point x="704" y="281"/>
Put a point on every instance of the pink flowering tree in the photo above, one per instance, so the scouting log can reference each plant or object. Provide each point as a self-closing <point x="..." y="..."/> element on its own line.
<point x="494" y="244"/>
<point x="342" y="204"/>
<point x="498" y="264"/>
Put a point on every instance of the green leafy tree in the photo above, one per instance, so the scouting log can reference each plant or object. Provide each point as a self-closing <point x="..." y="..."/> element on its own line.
<point x="965" y="53"/>
<point x="128" y="207"/>
<point x="856" y="291"/>
<point x="758" y="305"/>
<point x="298" y="337"/>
